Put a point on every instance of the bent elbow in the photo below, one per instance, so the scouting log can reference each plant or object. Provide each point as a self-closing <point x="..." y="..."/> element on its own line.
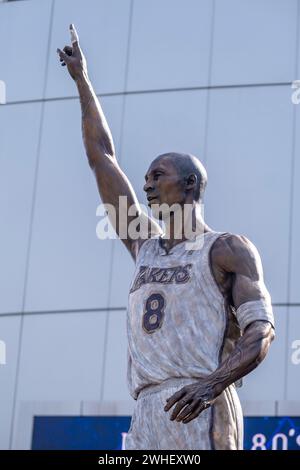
<point x="272" y="335"/>
<point x="263" y="346"/>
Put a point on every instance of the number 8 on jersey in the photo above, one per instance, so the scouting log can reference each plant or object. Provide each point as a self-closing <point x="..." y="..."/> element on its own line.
<point x="153" y="313"/>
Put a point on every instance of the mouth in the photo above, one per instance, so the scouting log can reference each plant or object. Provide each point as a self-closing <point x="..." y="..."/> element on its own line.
<point x="151" y="199"/>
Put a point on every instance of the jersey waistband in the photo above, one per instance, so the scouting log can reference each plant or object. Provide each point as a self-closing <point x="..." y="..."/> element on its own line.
<point x="169" y="383"/>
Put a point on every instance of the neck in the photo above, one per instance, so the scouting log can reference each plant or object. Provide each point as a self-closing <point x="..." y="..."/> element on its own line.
<point x="184" y="224"/>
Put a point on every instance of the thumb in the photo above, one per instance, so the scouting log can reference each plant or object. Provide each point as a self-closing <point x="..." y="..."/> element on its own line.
<point x="63" y="56"/>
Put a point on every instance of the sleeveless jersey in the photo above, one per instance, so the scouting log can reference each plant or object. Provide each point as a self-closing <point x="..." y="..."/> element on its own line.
<point x="178" y="323"/>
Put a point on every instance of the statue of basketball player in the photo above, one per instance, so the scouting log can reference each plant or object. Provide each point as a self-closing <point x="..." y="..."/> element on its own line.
<point x="198" y="319"/>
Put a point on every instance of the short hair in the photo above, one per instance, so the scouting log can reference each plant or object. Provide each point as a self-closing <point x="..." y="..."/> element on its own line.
<point x="187" y="164"/>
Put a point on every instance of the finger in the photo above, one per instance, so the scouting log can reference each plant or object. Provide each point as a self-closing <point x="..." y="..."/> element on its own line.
<point x="196" y="412"/>
<point x="74" y="36"/>
<point x="173" y="399"/>
<point x="180" y="405"/>
<point x="187" y="411"/>
<point x="63" y="55"/>
<point x="68" y="50"/>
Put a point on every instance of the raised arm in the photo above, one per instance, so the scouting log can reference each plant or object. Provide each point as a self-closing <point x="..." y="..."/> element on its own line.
<point x="238" y="256"/>
<point x="100" y="150"/>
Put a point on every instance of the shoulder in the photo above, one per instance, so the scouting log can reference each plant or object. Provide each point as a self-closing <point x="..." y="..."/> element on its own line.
<point x="233" y="252"/>
<point x="231" y="243"/>
<point x="140" y="246"/>
<point x="149" y="232"/>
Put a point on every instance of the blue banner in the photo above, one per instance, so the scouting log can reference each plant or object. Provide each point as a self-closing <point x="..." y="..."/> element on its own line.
<point x="109" y="433"/>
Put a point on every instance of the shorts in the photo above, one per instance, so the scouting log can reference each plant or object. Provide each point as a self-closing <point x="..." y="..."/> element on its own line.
<point x="218" y="427"/>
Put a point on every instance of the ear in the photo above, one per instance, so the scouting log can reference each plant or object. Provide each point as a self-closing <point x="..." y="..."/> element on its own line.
<point x="191" y="181"/>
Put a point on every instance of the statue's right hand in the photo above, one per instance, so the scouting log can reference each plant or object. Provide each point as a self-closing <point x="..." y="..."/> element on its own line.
<point x="73" y="56"/>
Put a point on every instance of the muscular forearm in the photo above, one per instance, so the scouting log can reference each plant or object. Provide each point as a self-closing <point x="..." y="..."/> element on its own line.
<point x="249" y="351"/>
<point x="96" y="133"/>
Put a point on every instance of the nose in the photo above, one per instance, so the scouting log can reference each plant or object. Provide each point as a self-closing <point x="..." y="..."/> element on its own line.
<point x="148" y="186"/>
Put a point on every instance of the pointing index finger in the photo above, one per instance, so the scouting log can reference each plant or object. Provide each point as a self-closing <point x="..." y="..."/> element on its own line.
<point x="74" y="35"/>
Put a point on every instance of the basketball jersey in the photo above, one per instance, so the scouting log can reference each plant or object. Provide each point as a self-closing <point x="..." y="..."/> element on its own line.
<point x="178" y="323"/>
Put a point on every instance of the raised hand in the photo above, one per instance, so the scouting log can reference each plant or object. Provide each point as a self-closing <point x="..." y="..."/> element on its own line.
<point x="72" y="56"/>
